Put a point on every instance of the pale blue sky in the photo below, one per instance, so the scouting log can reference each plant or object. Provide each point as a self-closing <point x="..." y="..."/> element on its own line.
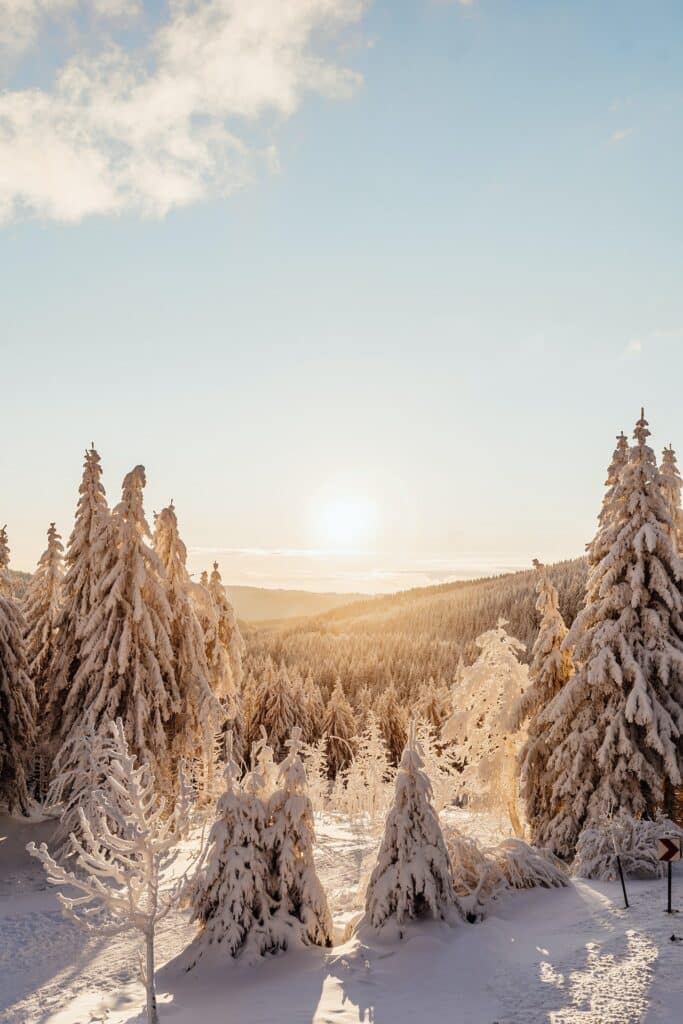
<point x="448" y="281"/>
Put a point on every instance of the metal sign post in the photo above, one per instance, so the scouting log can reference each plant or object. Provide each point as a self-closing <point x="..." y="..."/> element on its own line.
<point x="623" y="882"/>
<point x="618" y="858"/>
<point x="669" y="850"/>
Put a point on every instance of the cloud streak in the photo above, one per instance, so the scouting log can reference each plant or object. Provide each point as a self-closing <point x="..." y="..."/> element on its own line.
<point x="180" y="121"/>
<point x="620" y="135"/>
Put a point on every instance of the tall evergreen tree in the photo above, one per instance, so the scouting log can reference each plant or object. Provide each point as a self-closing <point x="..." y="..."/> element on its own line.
<point x="339" y="726"/>
<point x="671" y="489"/>
<point x="434" y="705"/>
<point x="300" y="897"/>
<point x="85" y="566"/>
<point x="249" y="708"/>
<point x="369" y="773"/>
<point x="5" y="585"/>
<point x="551" y="667"/>
<point x="127" y="669"/>
<point x="315" y="709"/>
<point x="393" y="719"/>
<point x="617" y="724"/>
<point x="480" y="726"/>
<point x="231" y="897"/>
<point x="412" y="875"/>
<point x="596" y="550"/>
<point x="17" y="696"/>
<point x="200" y="714"/>
<point x="41" y="610"/>
<point x="282" y="709"/>
<point x="226" y="646"/>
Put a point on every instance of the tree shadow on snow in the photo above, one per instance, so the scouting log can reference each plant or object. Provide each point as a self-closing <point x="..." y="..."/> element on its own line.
<point x="598" y="968"/>
<point x="37" y="943"/>
<point x="286" y="987"/>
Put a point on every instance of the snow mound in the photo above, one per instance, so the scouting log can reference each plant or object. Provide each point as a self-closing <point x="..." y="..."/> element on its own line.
<point x="633" y="839"/>
<point x="482" y="873"/>
<point x="527" y="867"/>
<point x="477" y="878"/>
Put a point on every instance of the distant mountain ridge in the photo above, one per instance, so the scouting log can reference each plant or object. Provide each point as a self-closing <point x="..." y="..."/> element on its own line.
<point x="460" y="608"/>
<point x="256" y="604"/>
<point x="260" y="604"/>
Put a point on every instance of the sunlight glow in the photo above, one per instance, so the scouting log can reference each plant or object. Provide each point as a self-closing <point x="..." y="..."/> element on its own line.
<point x="347" y="521"/>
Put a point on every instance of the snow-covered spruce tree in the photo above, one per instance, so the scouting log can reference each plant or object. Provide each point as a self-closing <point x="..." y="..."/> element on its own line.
<point x="412" y="875"/>
<point x="231" y="896"/>
<point x="5" y="585"/>
<point x="671" y="489"/>
<point x="300" y="700"/>
<point x="126" y="843"/>
<point x="440" y="765"/>
<point x="317" y="774"/>
<point x="300" y="897"/>
<point x="249" y="709"/>
<point x="434" y="706"/>
<point x="366" y="700"/>
<point x="616" y="726"/>
<point x="226" y="645"/>
<point x="258" y="685"/>
<point x="220" y="675"/>
<point x="484" y="739"/>
<point x="315" y="709"/>
<point x="41" y="607"/>
<point x="80" y="771"/>
<point x="263" y="768"/>
<point x="340" y="727"/>
<point x="127" y="665"/>
<point x="551" y="667"/>
<point x="88" y="558"/>
<point x="17" y="697"/>
<point x="370" y="773"/>
<point x="200" y="714"/>
<point x="393" y="719"/>
<point x="282" y="709"/>
<point x="597" y="549"/>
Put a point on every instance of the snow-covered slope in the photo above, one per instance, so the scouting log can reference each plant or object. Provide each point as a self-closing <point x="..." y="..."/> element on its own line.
<point x="570" y="956"/>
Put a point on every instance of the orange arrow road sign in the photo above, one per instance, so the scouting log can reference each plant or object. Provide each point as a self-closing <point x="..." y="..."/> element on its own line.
<point x="669" y="849"/>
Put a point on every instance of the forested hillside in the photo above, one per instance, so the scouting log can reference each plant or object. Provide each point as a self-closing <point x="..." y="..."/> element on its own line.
<point x="408" y="637"/>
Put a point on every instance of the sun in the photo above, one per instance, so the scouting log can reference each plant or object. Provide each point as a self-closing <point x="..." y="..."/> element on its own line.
<point x="347" y="521"/>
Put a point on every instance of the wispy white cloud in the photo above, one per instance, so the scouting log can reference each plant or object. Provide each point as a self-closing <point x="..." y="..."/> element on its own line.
<point x="634" y="347"/>
<point x="620" y="135"/>
<point x="319" y="569"/>
<point x="310" y="553"/>
<point x="22" y="20"/>
<point x="170" y="125"/>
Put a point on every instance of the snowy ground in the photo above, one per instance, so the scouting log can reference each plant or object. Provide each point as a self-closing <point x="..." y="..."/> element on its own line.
<point x="571" y="956"/>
